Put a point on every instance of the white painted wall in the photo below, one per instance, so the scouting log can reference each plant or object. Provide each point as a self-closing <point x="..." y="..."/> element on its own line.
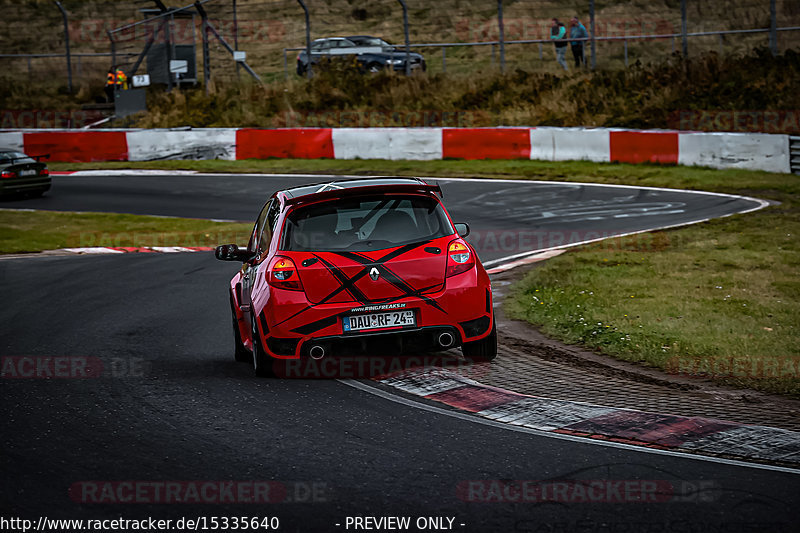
<point x="149" y="145"/>
<point x="570" y="144"/>
<point x="12" y="140"/>
<point x="387" y="143"/>
<point x="755" y="151"/>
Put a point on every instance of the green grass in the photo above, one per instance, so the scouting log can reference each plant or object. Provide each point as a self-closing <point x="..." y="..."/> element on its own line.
<point x="718" y="300"/>
<point x="32" y="231"/>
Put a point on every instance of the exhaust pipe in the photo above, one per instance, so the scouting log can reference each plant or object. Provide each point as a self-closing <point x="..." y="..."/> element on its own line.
<point x="445" y="340"/>
<point x="317" y="352"/>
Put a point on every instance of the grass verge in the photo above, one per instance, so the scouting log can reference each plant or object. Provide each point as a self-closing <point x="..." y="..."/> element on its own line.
<point x="718" y="300"/>
<point x="33" y="231"/>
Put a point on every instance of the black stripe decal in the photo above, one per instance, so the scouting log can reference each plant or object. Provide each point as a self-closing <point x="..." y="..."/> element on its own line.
<point x="317" y="325"/>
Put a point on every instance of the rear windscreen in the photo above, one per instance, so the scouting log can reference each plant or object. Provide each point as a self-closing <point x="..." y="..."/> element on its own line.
<point x="7" y="158"/>
<point x="365" y="223"/>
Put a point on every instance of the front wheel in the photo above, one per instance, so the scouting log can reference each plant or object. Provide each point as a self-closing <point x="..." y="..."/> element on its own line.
<point x="483" y="350"/>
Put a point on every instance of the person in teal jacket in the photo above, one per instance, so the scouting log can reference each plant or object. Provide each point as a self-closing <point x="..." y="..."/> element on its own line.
<point x="578" y="31"/>
<point x="558" y="33"/>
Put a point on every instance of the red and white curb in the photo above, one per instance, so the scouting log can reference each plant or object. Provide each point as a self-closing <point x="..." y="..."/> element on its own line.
<point x="534" y="258"/>
<point x="105" y="250"/>
<point x="699" y="435"/>
<point x="133" y="249"/>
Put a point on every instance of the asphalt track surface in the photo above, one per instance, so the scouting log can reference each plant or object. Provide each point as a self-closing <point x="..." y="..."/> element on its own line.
<point x="172" y="405"/>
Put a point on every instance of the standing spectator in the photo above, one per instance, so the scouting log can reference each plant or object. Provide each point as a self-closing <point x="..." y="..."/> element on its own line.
<point x="558" y="33"/>
<point x="116" y="80"/>
<point x="578" y="31"/>
<point x="111" y="80"/>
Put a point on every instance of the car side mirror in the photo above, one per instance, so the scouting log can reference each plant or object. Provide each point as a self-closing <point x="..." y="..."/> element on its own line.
<point x="231" y="252"/>
<point x="462" y="228"/>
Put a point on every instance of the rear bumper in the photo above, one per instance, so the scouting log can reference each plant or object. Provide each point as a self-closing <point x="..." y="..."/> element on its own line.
<point x="289" y="326"/>
<point x="19" y="185"/>
<point x="386" y="343"/>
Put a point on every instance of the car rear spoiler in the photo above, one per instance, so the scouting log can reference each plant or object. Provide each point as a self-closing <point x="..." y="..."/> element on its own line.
<point x="341" y="192"/>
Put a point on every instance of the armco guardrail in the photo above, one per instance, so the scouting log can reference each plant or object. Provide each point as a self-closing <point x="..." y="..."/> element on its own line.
<point x="794" y="154"/>
<point x="755" y="151"/>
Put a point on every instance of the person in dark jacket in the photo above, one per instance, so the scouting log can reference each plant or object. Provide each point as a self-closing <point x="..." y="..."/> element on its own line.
<point x="558" y="33"/>
<point x="578" y="31"/>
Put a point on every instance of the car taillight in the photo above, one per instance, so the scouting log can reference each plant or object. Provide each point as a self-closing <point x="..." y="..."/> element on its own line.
<point x="44" y="172"/>
<point x="459" y="258"/>
<point x="8" y="174"/>
<point x="283" y="274"/>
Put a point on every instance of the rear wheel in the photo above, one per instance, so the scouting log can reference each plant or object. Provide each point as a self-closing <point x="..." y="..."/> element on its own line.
<point x="482" y="350"/>
<point x="240" y="353"/>
<point x="262" y="363"/>
<point x="374" y="68"/>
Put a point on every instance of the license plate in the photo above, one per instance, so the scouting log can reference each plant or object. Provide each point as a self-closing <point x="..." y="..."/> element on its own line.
<point x="395" y="319"/>
<point x="24" y="173"/>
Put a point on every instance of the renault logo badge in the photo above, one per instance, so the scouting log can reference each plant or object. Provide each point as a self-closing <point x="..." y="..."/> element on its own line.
<point x="374" y="274"/>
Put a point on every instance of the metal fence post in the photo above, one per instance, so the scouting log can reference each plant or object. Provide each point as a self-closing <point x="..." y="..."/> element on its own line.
<point x="285" y="66"/>
<point x="502" y="36"/>
<point x="685" y="42"/>
<point x="308" y="38"/>
<point x="594" y="44"/>
<point x="773" y="32"/>
<point x="405" y="30"/>
<point x="236" y="35"/>
<point x="113" y="49"/>
<point x="66" y="40"/>
<point x="626" y="52"/>
<point x="206" y="54"/>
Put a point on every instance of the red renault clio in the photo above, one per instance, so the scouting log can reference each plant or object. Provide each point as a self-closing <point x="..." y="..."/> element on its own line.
<point x="358" y="267"/>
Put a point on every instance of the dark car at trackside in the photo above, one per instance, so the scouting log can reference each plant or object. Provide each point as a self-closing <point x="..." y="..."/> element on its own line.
<point x="22" y="174"/>
<point x="372" y="54"/>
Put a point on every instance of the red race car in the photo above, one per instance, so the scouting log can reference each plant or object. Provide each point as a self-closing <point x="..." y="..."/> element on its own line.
<point x="358" y="267"/>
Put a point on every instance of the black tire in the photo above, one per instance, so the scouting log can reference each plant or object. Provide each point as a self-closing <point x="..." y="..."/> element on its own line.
<point x="262" y="363"/>
<point x="240" y="353"/>
<point x="483" y="350"/>
<point x="374" y="67"/>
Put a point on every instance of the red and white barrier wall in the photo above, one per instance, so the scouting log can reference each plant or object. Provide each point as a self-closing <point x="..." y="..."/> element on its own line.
<point x="755" y="151"/>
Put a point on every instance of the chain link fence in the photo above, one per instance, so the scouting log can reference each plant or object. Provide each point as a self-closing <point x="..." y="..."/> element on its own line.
<point x="272" y="31"/>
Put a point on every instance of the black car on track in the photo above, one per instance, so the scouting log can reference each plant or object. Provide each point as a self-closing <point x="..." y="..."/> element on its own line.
<point x="371" y="53"/>
<point x="22" y="174"/>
